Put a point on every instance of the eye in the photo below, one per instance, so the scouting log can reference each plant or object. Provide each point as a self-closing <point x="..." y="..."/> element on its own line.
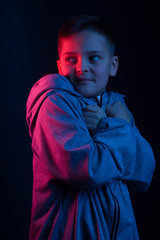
<point x="94" y="58"/>
<point x="71" y="60"/>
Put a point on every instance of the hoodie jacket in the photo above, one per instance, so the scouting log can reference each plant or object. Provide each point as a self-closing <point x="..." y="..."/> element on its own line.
<point x="81" y="180"/>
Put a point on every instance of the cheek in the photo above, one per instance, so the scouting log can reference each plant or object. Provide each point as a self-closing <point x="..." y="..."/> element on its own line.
<point x="102" y="71"/>
<point x="66" y="70"/>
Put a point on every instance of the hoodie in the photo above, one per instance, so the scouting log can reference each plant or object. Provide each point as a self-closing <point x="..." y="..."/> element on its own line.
<point x="81" y="180"/>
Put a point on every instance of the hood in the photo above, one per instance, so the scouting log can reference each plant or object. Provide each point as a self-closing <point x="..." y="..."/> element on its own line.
<point x="57" y="82"/>
<point x="39" y="93"/>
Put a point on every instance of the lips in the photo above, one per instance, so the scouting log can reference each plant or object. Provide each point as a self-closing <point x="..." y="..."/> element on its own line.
<point x="83" y="80"/>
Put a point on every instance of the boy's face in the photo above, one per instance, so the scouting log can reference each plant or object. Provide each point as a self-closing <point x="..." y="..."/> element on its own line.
<point x="87" y="61"/>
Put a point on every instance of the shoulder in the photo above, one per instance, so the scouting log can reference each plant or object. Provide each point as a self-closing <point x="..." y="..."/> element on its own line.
<point x="60" y="102"/>
<point x="115" y="97"/>
<point x="54" y="81"/>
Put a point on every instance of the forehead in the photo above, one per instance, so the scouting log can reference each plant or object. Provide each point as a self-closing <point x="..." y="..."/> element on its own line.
<point x="85" y="41"/>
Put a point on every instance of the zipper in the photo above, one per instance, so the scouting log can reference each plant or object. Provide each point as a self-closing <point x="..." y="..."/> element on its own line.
<point x="99" y="100"/>
<point x="115" y="225"/>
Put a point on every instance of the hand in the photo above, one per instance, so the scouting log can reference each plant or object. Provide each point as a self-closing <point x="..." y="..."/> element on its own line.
<point x="93" y="114"/>
<point x="118" y="110"/>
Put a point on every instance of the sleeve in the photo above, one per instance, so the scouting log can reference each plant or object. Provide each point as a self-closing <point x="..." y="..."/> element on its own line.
<point x="139" y="162"/>
<point x="131" y="153"/>
<point x="64" y="146"/>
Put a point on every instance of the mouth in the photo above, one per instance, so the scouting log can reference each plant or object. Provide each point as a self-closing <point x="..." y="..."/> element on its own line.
<point x="83" y="80"/>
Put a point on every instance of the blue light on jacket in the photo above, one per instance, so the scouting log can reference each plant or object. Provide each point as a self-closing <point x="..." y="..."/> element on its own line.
<point x="80" y="180"/>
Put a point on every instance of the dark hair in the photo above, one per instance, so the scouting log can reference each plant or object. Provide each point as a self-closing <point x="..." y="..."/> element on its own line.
<point x="83" y="22"/>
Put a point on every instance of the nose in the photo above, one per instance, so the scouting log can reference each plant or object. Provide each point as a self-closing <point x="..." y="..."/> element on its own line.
<point x="82" y="67"/>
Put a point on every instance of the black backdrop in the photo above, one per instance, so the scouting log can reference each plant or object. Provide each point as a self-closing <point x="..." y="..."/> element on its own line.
<point x="29" y="41"/>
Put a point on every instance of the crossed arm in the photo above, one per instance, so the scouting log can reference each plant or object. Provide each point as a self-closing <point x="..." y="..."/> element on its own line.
<point x="93" y="114"/>
<point x="64" y="147"/>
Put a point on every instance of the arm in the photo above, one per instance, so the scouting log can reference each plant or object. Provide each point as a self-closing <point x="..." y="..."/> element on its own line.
<point x="141" y="170"/>
<point x="93" y="114"/>
<point x="64" y="146"/>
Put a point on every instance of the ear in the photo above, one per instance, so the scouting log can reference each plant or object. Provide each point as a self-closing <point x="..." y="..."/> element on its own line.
<point x="114" y="66"/>
<point x="59" y="67"/>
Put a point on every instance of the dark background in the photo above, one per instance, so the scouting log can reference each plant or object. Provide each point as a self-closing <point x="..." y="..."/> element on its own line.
<point x="29" y="50"/>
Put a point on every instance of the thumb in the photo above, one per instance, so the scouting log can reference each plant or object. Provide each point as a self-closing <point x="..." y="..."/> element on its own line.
<point x="108" y="110"/>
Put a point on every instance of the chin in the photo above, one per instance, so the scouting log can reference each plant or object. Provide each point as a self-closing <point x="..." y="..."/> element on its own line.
<point x="87" y="94"/>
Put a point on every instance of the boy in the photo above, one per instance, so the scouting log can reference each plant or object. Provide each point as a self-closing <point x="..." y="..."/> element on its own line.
<point x="87" y="150"/>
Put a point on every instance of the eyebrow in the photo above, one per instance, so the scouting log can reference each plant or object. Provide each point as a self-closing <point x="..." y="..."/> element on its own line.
<point x="89" y="52"/>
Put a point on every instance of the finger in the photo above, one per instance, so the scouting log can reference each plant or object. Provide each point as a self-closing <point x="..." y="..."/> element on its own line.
<point x="91" y="120"/>
<point x="91" y="108"/>
<point x="89" y="114"/>
<point x="118" y="103"/>
<point x="108" y="110"/>
<point x="90" y="127"/>
<point x="109" y="107"/>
